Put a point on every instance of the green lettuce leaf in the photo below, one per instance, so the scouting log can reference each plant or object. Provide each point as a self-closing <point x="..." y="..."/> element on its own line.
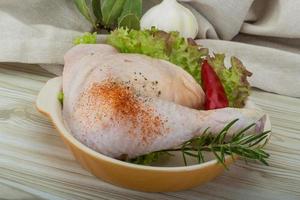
<point x="133" y="41"/>
<point x="158" y="44"/>
<point x="86" y="38"/>
<point x="234" y="79"/>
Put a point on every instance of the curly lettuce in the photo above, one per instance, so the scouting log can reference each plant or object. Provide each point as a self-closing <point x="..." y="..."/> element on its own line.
<point x="158" y="44"/>
<point x="234" y="79"/>
<point x="86" y="38"/>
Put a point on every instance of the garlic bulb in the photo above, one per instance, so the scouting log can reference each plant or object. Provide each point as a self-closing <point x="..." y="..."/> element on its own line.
<point x="170" y="15"/>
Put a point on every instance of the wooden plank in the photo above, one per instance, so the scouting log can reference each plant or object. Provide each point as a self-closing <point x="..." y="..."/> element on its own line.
<point x="34" y="163"/>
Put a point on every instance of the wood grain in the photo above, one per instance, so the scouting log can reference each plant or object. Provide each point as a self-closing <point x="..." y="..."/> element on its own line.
<point x="34" y="163"/>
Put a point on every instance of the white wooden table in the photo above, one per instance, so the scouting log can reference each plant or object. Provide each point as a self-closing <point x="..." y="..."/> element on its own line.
<point x="35" y="164"/>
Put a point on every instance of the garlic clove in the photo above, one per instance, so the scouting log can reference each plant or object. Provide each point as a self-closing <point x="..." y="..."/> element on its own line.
<point x="170" y="15"/>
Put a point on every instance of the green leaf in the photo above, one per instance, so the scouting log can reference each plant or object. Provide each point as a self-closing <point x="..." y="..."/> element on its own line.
<point x="258" y="140"/>
<point x="86" y="38"/>
<point x="131" y="14"/>
<point x="60" y="97"/>
<point x="83" y="8"/>
<point x="237" y="136"/>
<point x="255" y="138"/>
<point x="263" y="161"/>
<point x="184" y="158"/>
<point x="200" y="156"/>
<point x="221" y="136"/>
<point x="220" y="160"/>
<point x="130" y="21"/>
<point x="96" y="4"/>
<point x="134" y="7"/>
<point x="111" y="10"/>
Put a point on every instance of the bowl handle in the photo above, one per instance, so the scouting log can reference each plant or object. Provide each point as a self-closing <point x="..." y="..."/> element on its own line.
<point x="44" y="101"/>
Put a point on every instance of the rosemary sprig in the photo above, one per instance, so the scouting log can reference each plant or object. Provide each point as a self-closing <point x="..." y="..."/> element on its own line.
<point x="247" y="147"/>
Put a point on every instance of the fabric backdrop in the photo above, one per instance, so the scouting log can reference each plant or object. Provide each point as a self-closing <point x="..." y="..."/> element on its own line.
<point x="265" y="35"/>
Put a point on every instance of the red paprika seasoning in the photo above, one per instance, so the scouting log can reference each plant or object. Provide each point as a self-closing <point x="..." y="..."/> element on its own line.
<point x="215" y="96"/>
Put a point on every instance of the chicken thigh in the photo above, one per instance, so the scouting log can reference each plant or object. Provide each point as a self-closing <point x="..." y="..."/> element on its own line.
<point x="127" y="104"/>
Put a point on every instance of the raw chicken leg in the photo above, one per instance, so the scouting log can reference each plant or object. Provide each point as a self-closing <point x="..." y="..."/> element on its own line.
<point x="116" y="115"/>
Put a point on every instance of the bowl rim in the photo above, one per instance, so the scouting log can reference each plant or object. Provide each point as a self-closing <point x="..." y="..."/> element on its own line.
<point x="101" y="156"/>
<point x="70" y="138"/>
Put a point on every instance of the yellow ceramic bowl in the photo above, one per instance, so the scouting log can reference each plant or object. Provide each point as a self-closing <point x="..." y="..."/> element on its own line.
<point x="169" y="176"/>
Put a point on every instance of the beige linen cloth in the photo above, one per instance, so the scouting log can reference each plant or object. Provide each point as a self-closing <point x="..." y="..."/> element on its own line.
<point x="264" y="34"/>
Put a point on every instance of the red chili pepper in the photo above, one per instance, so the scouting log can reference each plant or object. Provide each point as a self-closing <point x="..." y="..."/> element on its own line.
<point x="215" y="96"/>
